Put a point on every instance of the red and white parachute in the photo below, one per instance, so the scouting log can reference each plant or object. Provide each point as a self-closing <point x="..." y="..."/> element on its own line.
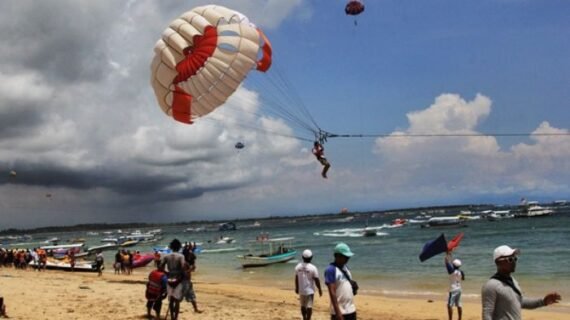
<point x="202" y="58"/>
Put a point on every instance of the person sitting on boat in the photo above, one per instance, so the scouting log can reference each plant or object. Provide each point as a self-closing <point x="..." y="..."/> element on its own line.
<point x="306" y="277"/>
<point x="155" y="291"/>
<point x="319" y="152"/>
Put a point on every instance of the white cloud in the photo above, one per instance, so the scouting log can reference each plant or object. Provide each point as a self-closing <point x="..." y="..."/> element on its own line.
<point x="472" y="164"/>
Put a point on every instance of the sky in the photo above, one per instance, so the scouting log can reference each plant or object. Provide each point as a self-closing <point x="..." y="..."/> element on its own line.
<point x="83" y="140"/>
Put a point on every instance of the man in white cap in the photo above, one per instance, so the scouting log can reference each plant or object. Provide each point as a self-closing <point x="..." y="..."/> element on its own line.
<point x="502" y="295"/>
<point x="306" y="277"/>
<point x="340" y="284"/>
<point x="455" y="277"/>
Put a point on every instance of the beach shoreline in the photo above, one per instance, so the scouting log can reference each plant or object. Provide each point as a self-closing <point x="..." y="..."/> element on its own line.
<point x="64" y="295"/>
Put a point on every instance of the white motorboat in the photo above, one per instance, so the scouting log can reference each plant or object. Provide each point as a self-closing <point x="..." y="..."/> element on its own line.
<point x="86" y="266"/>
<point x="225" y="240"/>
<point x="450" y="221"/>
<point x="500" y="215"/>
<point x="532" y="209"/>
<point x="64" y="246"/>
<point x="267" y="252"/>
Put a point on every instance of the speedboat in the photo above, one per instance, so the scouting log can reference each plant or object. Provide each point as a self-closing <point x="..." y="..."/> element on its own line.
<point x="225" y="240"/>
<point x="369" y="232"/>
<point x="535" y="211"/>
<point x="500" y="215"/>
<point x="444" y="222"/>
<point x="267" y="252"/>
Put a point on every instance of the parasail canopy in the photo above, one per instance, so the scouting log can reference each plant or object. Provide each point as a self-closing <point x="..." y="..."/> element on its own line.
<point x="240" y="145"/>
<point x="354" y="7"/>
<point x="202" y="58"/>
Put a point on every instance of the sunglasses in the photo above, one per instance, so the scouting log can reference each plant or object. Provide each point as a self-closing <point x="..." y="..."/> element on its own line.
<point x="510" y="259"/>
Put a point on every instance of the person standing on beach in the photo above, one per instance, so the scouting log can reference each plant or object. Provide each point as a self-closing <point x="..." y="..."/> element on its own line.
<point x="174" y="263"/>
<point x="455" y="278"/>
<point x="502" y="296"/>
<point x="99" y="260"/>
<point x="188" y="287"/>
<point x="2" y="308"/>
<point x="340" y="284"/>
<point x="306" y="277"/>
<point x="155" y="291"/>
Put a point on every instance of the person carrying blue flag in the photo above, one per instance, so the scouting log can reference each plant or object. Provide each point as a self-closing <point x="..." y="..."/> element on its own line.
<point x="455" y="277"/>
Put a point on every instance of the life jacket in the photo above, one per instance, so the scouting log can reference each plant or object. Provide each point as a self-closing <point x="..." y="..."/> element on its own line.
<point x="154" y="285"/>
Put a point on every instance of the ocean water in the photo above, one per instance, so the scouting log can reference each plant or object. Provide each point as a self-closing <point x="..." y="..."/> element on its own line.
<point x="388" y="263"/>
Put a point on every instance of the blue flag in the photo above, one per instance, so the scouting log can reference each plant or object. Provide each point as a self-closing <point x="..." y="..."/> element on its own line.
<point x="434" y="247"/>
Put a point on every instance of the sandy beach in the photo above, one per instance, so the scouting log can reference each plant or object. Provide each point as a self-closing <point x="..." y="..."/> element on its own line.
<point x="64" y="295"/>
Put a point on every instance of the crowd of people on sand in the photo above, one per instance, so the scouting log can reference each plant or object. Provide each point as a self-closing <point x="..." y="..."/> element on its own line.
<point x="21" y="258"/>
<point x="171" y="279"/>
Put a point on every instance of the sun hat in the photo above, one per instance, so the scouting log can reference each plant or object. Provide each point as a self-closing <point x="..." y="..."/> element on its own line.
<point x="307" y="254"/>
<point x="342" y="248"/>
<point x="457" y="263"/>
<point x="504" y="251"/>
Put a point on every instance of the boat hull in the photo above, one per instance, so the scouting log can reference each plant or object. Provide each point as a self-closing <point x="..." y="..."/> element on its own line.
<point x="248" y="261"/>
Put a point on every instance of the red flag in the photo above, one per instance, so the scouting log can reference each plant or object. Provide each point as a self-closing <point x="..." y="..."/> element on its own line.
<point x="453" y="243"/>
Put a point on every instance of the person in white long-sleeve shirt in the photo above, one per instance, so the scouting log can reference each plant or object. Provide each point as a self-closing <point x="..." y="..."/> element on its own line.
<point x="502" y="296"/>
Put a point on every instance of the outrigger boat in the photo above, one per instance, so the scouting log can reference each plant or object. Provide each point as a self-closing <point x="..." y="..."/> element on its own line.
<point x="85" y="266"/>
<point x="269" y="251"/>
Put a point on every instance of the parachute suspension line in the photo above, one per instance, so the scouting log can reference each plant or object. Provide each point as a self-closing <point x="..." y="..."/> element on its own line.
<point x="273" y="97"/>
<point x="286" y="109"/>
<point x="229" y="109"/>
<point x="295" y="95"/>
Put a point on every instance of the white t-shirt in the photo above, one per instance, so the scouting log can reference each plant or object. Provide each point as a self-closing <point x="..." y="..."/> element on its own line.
<point x="455" y="280"/>
<point x="306" y="274"/>
<point x="344" y="296"/>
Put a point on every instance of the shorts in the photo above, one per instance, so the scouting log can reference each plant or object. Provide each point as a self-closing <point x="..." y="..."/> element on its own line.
<point x="306" y="300"/>
<point x="175" y="292"/>
<point x="188" y="289"/>
<point x="454" y="299"/>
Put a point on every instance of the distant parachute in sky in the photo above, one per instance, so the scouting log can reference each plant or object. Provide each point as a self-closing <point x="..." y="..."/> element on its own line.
<point x="240" y="145"/>
<point x="13" y="174"/>
<point x="354" y="7"/>
<point x="202" y="58"/>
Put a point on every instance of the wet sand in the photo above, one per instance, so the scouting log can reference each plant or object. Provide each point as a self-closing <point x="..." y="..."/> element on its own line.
<point x="84" y="296"/>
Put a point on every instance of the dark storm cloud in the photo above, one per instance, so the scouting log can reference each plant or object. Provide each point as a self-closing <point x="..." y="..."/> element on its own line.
<point x="50" y="175"/>
<point x="16" y="122"/>
<point x="142" y="187"/>
<point x="65" y="40"/>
